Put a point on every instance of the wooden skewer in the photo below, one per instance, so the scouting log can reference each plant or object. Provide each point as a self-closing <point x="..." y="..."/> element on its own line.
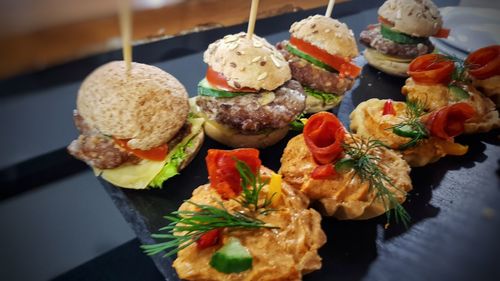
<point x="329" y="9"/>
<point x="253" y="17"/>
<point x="125" y="16"/>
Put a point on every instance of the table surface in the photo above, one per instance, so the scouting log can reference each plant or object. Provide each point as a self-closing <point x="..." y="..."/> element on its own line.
<point x="454" y="204"/>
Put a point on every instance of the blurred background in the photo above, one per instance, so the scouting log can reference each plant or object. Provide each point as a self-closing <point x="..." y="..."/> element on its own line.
<point x="72" y="221"/>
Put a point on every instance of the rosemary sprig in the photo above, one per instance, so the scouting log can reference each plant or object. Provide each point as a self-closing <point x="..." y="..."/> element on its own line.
<point x="186" y="227"/>
<point x="365" y="166"/>
<point x="414" y="128"/>
<point x="252" y="185"/>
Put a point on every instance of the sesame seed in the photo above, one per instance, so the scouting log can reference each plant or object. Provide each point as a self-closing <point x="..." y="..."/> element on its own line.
<point x="238" y="53"/>
<point x="262" y="76"/>
<point x="313" y="26"/>
<point x="233" y="46"/>
<point x="230" y="38"/>
<point x="398" y="14"/>
<point x="275" y="61"/>
<point x="327" y="30"/>
<point x="256" y="59"/>
<point x="232" y="64"/>
<point x="237" y="85"/>
<point x="262" y="63"/>
<point x="257" y="44"/>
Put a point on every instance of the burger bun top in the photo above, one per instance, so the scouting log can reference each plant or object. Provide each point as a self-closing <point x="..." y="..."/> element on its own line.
<point x="327" y="34"/>
<point x="147" y="105"/>
<point x="252" y="63"/>
<point x="419" y="18"/>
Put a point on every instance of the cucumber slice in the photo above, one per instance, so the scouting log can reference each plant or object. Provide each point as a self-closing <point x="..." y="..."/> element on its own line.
<point x="405" y="131"/>
<point x="398" y="37"/>
<point x="292" y="49"/>
<point x="204" y="89"/>
<point x="232" y="257"/>
<point x="458" y="93"/>
<point x="327" y="98"/>
<point x="344" y="165"/>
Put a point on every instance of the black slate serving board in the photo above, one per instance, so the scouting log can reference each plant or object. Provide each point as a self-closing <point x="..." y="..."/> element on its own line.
<point x="454" y="205"/>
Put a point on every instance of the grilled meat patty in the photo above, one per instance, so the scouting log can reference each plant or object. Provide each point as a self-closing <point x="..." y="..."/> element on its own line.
<point x="253" y="113"/>
<point x="315" y="77"/>
<point x="100" y="151"/>
<point x="372" y="38"/>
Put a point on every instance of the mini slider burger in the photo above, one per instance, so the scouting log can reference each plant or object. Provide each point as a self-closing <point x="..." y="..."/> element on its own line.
<point x="320" y="53"/>
<point x="348" y="176"/>
<point x="134" y="126"/>
<point x="421" y="137"/>
<point x="484" y="68"/>
<point x="437" y="81"/>
<point x="402" y="34"/>
<point x="246" y="224"/>
<point x="247" y="97"/>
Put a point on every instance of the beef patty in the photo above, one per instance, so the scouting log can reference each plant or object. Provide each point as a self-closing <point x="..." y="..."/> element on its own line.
<point x="372" y="38"/>
<point x="315" y="77"/>
<point x="253" y="113"/>
<point x="100" y="151"/>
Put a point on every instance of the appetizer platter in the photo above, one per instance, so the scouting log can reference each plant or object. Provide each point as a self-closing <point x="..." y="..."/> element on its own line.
<point x="340" y="172"/>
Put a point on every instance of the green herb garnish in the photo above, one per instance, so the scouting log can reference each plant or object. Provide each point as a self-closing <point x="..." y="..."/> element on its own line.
<point x="299" y="123"/>
<point x="186" y="227"/>
<point x="366" y="167"/>
<point x="412" y="127"/>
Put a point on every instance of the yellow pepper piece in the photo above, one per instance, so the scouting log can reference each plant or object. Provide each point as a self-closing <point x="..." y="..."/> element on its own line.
<point x="274" y="191"/>
<point x="457" y="149"/>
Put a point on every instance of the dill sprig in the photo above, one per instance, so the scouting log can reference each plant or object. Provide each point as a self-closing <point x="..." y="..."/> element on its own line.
<point x="252" y="185"/>
<point x="365" y="166"/>
<point x="186" y="227"/>
<point x="411" y="127"/>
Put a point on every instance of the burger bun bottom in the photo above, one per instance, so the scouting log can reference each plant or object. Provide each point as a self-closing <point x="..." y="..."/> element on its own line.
<point x="235" y="139"/>
<point x="314" y="104"/>
<point x="387" y="66"/>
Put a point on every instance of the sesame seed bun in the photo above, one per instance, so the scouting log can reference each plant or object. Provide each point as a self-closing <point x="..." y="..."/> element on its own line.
<point x="327" y="34"/>
<point x="414" y="17"/>
<point x="147" y="106"/>
<point x="252" y="63"/>
<point x="394" y="68"/>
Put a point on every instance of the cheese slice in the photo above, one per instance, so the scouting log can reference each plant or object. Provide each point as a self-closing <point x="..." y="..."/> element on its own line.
<point x="139" y="176"/>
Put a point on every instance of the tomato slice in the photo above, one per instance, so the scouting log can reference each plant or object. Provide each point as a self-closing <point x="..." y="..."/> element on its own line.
<point x="323" y="172"/>
<point x="222" y="172"/>
<point x="324" y="135"/>
<point x="156" y="154"/>
<point x="219" y="81"/>
<point x="442" y="33"/>
<point x="342" y="65"/>
<point x="431" y="69"/>
<point x="448" y="122"/>
<point x="389" y="108"/>
<point x="485" y="62"/>
<point x="385" y="21"/>
<point x="209" y="239"/>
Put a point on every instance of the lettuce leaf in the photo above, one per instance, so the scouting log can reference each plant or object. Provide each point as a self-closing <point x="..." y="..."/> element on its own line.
<point x="327" y="98"/>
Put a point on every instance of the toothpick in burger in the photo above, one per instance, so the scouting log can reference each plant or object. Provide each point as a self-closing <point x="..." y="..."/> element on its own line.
<point x="320" y="53"/>
<point x="135" y="128"/>
<point x="247" y="97"/>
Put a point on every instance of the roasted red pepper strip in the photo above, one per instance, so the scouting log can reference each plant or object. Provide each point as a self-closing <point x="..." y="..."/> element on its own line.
<point x="343" y="65"/>
<point x="209" y="239"/>
<point x="442" y="33"/>
<point x="323" y="172"/>
<point x="389" y="108"/>
<point x="155" y="154"/>
<point x="324" y="135"/>
<point x="485" y="62"/>
<point x="431" y="69"/>
<point x="448" y="122"/>
<point x="222" y="172"/>
<point x="385" y="21"/>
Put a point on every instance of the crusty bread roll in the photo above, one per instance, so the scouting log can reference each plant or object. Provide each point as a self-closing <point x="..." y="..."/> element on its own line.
<point x="419" y="18"/>
<point x="244" y="62"/>
<point x="327" y="34"/>
<point x="345" y="196"/>
<point x="394" y="68"/>
<point x="147" y="105"/>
